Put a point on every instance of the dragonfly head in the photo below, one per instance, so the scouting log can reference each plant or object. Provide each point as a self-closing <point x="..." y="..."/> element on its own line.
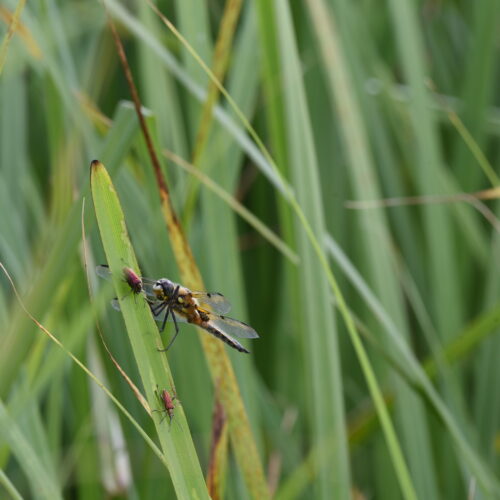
<point x="163" y="288"/>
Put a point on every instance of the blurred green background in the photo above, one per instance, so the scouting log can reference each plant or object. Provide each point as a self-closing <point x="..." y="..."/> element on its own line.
<point x="355" y="101"/>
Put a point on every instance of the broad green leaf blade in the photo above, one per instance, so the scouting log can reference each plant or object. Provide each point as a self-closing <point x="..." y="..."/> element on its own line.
<point x="144" y="337"/>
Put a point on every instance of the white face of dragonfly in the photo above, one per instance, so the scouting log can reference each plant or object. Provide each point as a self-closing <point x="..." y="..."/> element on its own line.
<point x="163" y="289"/>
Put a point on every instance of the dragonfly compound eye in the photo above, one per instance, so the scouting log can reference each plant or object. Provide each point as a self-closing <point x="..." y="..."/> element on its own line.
<point x="167" y="286"/>
<point x="158" y="290"/>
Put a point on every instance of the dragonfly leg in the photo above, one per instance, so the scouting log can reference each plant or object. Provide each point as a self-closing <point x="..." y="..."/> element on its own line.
<point x="167" y="305"/>
<point x="172" y="341"/>
<point x="156" y="309"/>
<point x="175" y="322"/>
<point x="170" y="303"/>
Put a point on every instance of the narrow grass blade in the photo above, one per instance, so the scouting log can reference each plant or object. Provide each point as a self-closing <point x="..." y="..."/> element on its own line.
<point x="319" y="331"/>
<point x="237" y="207"/>
<point x="260" y="158"/>
<point x="478" y="88"/>
<point x="29" y="460"/>
<point x="419" y="379"/>
<point x="18" y="338"/>
<point x="10" y="33"/>
<point x="222" y="51"/>
<point x="69" y="354"/>
<point x="376" y="253"/>
<point x="9" y="486"/>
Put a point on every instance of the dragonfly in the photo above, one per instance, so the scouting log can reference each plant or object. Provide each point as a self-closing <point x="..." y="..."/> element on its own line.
<point x="175" y="303"/>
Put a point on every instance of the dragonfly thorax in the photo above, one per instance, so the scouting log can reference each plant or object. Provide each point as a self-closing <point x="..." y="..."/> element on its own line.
<point x="164" y="288"/>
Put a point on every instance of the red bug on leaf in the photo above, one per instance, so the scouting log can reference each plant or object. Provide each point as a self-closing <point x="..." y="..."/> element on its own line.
<point x="167" y="401"/>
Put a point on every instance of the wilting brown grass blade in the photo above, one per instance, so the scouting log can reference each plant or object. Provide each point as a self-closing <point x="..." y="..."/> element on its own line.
<point x="218" y="453"/>
<point x="472" y="199"/>
<point x="218" y="361"/>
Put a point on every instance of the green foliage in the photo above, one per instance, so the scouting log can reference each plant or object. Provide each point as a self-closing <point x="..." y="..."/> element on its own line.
<point x="354" y="100"/>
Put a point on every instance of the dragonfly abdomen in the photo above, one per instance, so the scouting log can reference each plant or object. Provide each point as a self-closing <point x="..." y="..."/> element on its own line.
<point x="225" y="338"/>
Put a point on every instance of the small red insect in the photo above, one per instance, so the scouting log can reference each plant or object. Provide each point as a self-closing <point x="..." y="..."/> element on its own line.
<point x="168" y="403"/>
<point x="133" y="281"/>
<point x="129" y="276"/>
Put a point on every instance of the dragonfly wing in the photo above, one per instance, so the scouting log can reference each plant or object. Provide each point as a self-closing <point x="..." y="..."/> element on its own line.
<point x="147" y="286"/>
<point x="215" y="301"/>
<point x="233" y="327"/>
<point x="115" y="304"/>
<point x="103" y="271"/>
